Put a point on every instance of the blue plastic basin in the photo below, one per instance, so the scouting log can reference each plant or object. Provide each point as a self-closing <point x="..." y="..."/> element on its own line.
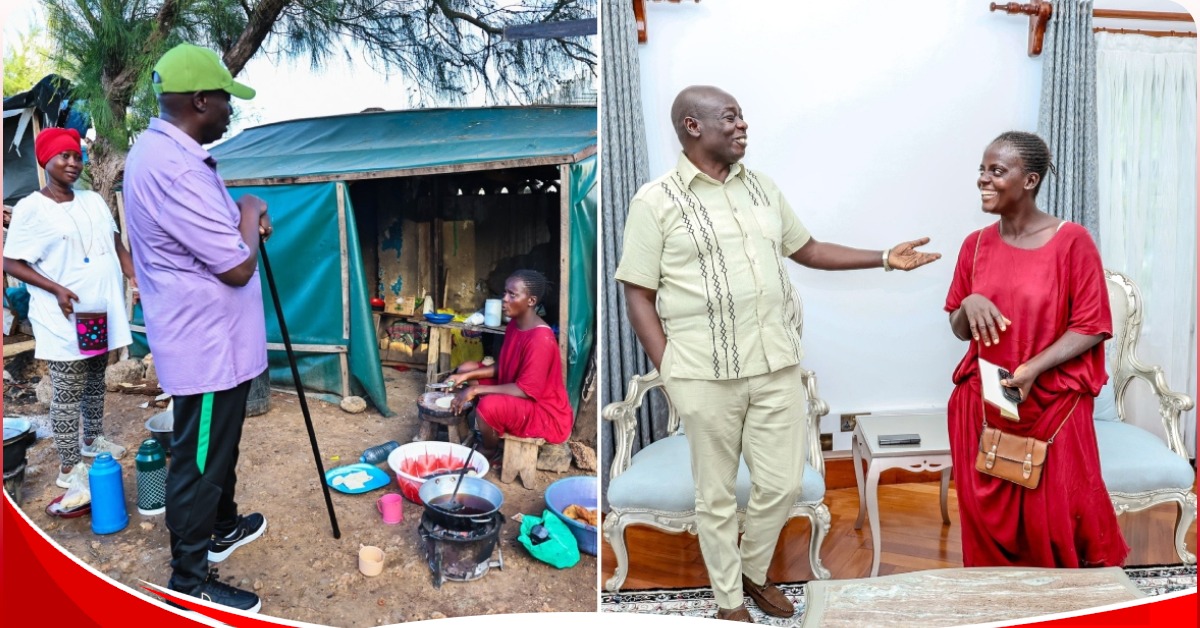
<point x="581" y="490"/>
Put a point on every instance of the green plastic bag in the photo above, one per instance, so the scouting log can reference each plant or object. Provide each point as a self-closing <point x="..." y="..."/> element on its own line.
<point x="560" y="550"/>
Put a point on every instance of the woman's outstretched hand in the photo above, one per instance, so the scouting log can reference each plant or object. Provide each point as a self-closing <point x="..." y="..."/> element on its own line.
<point x="462" y="398"/>
<point x="905" y="256"/>
<point x="985" y="320"/>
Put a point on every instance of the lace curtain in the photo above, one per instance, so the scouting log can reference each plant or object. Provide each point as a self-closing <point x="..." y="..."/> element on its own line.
<point x="1146" y="106"/>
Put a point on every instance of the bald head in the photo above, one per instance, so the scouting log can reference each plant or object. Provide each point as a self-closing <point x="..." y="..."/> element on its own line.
<point x="696" y="101"/>
<point x="711" y="128"/>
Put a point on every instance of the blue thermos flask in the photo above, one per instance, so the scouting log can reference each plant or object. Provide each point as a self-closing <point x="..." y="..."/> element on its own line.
<point x="108" y="496"/>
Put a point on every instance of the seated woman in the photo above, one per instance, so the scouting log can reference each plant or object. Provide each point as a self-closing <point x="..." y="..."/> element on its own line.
<point x="1029" y="295"/>
<point x="523" y="394"/>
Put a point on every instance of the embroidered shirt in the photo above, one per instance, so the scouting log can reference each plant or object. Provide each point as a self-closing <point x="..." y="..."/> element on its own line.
<point x="55" y="239"/>
<point x="206" y="336"/>
<point x="713" y="250"/>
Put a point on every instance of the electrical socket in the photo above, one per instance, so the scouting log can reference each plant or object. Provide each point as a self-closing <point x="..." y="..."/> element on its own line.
<point x="849" y="422"/>
<point x="827" y="442"/>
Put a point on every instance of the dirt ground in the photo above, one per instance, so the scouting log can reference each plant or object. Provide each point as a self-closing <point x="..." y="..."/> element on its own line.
<point x="298" y="569"/>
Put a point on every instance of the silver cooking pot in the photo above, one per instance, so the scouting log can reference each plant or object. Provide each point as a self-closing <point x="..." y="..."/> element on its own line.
<point x="474" y="490"/>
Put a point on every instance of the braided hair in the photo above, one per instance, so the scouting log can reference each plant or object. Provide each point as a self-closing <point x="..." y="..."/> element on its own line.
<point x="1033" y="151"/>
<point x="535" y="282"/>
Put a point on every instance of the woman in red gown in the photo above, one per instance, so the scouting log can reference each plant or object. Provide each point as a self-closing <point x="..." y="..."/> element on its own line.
<point x="524" y="393"/>
<point x="1029" y="295"/>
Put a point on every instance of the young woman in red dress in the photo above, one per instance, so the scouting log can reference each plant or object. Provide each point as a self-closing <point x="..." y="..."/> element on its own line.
<point x="1029" y="295"/>
<point x="524" y="393"/>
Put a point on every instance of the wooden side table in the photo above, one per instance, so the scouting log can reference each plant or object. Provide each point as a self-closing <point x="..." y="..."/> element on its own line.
<point x="932" y="454"/>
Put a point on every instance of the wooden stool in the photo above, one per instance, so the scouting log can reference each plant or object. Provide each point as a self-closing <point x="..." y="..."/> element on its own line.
<point x="520" y="459"/>
<point x="456" y="428"/>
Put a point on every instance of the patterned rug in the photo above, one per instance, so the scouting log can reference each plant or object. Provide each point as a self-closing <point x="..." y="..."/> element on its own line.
<point x="699" y="602"/>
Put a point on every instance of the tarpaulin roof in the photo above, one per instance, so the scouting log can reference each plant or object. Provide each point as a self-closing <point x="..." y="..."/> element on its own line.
<point x="405" y="143"/>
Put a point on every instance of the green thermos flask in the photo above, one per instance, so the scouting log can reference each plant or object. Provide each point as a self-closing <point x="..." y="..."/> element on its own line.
<point x="151" y="478"/>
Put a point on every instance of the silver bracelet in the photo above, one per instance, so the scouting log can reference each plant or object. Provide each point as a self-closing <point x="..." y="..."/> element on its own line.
<point x="886" y="266"/>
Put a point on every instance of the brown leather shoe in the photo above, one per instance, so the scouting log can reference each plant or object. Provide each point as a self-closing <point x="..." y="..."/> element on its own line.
<point x="769" y="598"/>
<point x="735" y="614"/>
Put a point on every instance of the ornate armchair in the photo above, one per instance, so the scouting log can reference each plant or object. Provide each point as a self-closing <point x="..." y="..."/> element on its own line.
<point x="655" y="487"/>
<point x="1139" y="469"/>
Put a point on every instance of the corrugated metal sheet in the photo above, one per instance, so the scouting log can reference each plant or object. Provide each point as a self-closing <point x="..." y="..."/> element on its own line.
<point x="388" y="143"/>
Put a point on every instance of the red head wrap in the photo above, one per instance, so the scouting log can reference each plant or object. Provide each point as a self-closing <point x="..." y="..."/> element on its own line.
<point x="53" y="141"/>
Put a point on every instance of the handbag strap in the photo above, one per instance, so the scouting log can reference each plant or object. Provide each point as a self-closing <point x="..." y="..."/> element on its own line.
<point x="979" y="343"/>
<point x="983" y="412"/>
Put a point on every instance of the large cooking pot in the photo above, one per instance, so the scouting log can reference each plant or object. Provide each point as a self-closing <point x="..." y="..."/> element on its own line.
<point x="18" y="436"/>
<point x="480" y="500"/>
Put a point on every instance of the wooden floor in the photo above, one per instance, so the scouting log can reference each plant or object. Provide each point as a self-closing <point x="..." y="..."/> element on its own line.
<point x="914" y="538"/>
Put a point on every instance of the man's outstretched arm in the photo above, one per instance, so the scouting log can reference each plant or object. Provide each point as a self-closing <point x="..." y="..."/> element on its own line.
<point x="830" y="256"/>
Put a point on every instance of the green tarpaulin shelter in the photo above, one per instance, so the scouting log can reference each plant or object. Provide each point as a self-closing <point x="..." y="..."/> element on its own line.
<point x="303" y="168"/>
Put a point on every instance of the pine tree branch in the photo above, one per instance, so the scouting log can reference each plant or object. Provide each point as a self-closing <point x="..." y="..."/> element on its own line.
<point x="262" y="21"/>
<point x="88" y="15"/>
<point x="470" y="19"/>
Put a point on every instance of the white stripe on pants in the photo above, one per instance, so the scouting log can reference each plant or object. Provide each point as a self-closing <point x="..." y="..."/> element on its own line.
<point x="760" y="418"/>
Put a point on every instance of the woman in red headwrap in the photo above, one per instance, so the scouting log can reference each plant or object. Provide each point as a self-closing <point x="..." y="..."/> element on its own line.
<point x="64" y="244"/>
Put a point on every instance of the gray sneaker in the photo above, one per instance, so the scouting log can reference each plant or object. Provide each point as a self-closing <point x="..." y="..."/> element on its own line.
<point x="101" y="445"/>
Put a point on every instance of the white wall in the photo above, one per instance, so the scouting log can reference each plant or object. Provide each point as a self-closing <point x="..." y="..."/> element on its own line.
<point x="872" y="117"/>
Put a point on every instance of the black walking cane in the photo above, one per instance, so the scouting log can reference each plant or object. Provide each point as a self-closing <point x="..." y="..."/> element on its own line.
<point x="287" y="345"/>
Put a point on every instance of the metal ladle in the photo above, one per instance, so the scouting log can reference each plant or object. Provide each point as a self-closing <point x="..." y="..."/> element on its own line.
<point x="454" y="505"/>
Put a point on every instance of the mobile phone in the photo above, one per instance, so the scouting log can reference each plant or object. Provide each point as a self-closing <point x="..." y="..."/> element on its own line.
<point x="899" y="439"/>
<point x="1012" y="394"/>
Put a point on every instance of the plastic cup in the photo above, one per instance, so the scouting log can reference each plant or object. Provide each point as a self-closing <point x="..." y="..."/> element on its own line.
<point x="391" y="506"/>
<point x="91" y="331"/>
<point x="370" y="560"/>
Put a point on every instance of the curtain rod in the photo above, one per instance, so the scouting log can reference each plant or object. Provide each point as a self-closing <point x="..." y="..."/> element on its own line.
<point x="1039" y="13"/>
<point x="639" y="17"/>
<point x="1137" y="31"/>
<point x="1157" y="16"/>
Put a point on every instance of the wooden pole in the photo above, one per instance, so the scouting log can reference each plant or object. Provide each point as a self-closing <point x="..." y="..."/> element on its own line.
<point x="343" y="241"/>
<point x="564" y="261"/>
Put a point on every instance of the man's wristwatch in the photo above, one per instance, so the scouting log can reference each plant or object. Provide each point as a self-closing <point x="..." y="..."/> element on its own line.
<point x="886" y="266"/>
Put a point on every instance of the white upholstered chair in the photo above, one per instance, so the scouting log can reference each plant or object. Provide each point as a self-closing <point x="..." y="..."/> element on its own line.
<point x="655" y="488"/>
<point x="1139" y="469"/>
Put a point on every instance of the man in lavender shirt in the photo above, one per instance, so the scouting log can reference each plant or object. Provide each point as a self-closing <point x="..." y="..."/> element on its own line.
<point x="195" y="251"/>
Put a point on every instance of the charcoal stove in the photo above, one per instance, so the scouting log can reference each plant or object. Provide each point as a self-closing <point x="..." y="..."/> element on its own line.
<point x="13" y="481"/>
<point x="461" y="553"/>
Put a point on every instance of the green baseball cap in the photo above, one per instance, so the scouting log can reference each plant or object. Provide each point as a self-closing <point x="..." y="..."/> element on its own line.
<point x="187" y="68"/>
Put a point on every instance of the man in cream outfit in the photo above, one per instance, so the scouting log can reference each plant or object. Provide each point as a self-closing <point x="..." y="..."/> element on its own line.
<point x="711" y="303"/>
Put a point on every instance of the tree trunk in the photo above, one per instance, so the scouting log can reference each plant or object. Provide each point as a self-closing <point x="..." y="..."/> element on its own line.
<point x="261" y="20"/>
<point x="107" y="169"/>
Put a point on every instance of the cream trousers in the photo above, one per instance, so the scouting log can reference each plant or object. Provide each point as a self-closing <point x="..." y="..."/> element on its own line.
<point x="759" y="418"/>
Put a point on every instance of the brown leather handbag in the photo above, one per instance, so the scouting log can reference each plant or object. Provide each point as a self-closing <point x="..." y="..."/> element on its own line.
<point x="1018" y="459"/>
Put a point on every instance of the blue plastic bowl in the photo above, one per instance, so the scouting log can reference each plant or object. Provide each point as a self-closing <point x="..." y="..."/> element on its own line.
<point x="581" y="490"/>
<point x="439" y="319"/>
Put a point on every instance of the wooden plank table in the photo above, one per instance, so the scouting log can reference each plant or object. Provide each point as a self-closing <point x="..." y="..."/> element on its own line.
<point x="437" y="362"/>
